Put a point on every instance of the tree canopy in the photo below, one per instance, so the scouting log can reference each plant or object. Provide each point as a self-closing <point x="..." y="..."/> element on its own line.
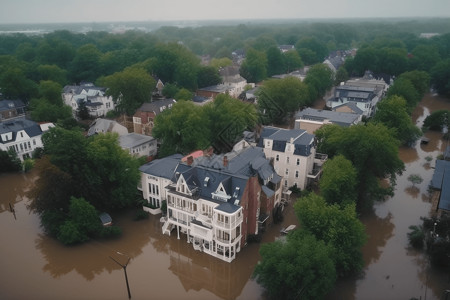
<point x="337" y="227"/>
<point x="187" y="127"/>
<point x="278" y="98"/>
<point x="339" y="181"/>
<point x="373" y="151"/>
<point x="393" y="113"/>
<point x="300" y="268"/>
<point x="129" y="88"/>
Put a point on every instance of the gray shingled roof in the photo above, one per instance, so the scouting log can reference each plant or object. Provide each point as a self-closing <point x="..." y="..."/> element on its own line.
<point x="441" y="181"/>
<point x="31" y="128"/>
<point x="163" y="167"/>
<point x="157" y="106"/>
<point x="352" y="105"/>
<point x="133" y="139"/>
<point x="301" y="140"/>
<point x="340" y="118"/>
<point x="11" y="104"/>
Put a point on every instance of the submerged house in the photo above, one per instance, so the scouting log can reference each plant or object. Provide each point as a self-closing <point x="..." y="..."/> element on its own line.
<point x="216" y="201"/>
<point x="22" y="136"/>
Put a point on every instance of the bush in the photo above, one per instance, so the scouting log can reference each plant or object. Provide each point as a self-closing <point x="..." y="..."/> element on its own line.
<point x="416" y="236"/>
<point x="141" y="215"/>
<point x="110" y="232"/>
<point x="70" y="234"/>
<point x="28" y="164"/>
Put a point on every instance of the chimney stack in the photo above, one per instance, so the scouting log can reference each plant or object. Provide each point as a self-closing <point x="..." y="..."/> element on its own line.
<point x="225" y="161"/>
<point x="190" y="160"/>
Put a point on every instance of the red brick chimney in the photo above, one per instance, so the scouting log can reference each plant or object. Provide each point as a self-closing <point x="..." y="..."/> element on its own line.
<point x="190" y="160"/>
<point x="225" y="161"/>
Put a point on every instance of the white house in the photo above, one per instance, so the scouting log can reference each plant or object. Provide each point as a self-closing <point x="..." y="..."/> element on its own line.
<point x="216" y="201"/>
<point x="23" y="136"/>
<point x="138" y="144"/>
<point x="94" y="98"/>
<point x="232" y="79"/>
<point x="104" y="126"/>
<point x="294" y="155"/>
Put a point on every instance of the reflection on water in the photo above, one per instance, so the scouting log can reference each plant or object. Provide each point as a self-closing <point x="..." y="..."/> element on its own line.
<point x="392" y="269"/>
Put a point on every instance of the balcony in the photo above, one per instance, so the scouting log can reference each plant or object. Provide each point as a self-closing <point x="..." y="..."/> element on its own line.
<point x="315" y="173"/>
<point x="229" y="225"/>
<point x="320" y="159"/>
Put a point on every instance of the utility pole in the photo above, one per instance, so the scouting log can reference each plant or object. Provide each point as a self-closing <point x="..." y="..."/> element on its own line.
<point x="124" y="270"/>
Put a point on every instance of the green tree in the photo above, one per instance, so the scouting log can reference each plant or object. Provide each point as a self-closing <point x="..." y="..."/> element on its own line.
<point x="437" y="120"/>
<point x="338" y="181"/>
<point x="183" y="94"/>
<point x="228" y="118"/>
<point x="293" y="61"/>
<point x="44" y="111"/>
<point x="51" y="91"/>
<point x="373" y="151"/>
<point x="218" y="63"/>
<point x="339" y="228"/>
<point x="178" y="129"/>
<point x="9" y="162"/>
<point x="176" y="64"/>
<point x="85" y="66"/>
<point x="341" y="75"/>
<point x="208" y="76"/>
<point x="275" y="61"/>
<point x="16" y="85"/>
<point x="315" y="50"/>
<point x="129" y="88"/>
<point x="403" y="87"/>
<point x="279" y="97"/>
<point x="52" y="73"/>
<point x="254" y="67"/>
<point x="424" y="57"/>
<point x="51" y="191"/>
<point x="300" y="268"/>
<point x="415" y="179"/>
<point x="112" y="174"/>
<point x="440" y="77"/>
<point x="419" y="79"/>
<point x="393" y="113"/>
<point x="319" y="80"/>
<point x="170" y="90"/>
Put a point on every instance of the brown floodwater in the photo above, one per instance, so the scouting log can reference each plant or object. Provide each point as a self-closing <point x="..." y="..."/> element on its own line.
<point x="34" y="266"/>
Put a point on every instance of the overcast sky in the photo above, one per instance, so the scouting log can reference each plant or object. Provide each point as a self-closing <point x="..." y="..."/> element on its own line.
<point x="50" y="11"/>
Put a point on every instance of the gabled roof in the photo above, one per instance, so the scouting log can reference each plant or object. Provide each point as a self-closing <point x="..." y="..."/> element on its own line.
<point x="164" y="167"/>
<point x="11" y="104"/>
<point x="352" y="105"/>
<point x="14" y="126"/>
<point x="89" y="88"/>
<point x="157" y="106"/>
<point x="301" y="140"/>
<point x="105" y="125"/>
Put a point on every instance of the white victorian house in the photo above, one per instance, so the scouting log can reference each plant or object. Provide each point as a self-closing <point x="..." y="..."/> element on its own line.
<point x="22" y="136"/>
<point x="98" y="104"/>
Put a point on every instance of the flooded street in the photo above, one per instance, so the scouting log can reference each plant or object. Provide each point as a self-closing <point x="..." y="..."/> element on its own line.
<point x="393" y="270"/>
<point x="34" y="266"/>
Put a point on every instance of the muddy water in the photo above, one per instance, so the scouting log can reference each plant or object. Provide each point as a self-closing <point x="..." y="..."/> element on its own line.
<point x="393" y="270"/>
<point x="34" y="266"/>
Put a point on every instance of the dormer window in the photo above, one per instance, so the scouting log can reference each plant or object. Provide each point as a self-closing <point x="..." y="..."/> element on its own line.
<point x="236" y="192"/>
<point x="206" y="181"/>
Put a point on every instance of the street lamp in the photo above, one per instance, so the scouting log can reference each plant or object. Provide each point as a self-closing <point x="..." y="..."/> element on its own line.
<point x="124" y="270"/>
